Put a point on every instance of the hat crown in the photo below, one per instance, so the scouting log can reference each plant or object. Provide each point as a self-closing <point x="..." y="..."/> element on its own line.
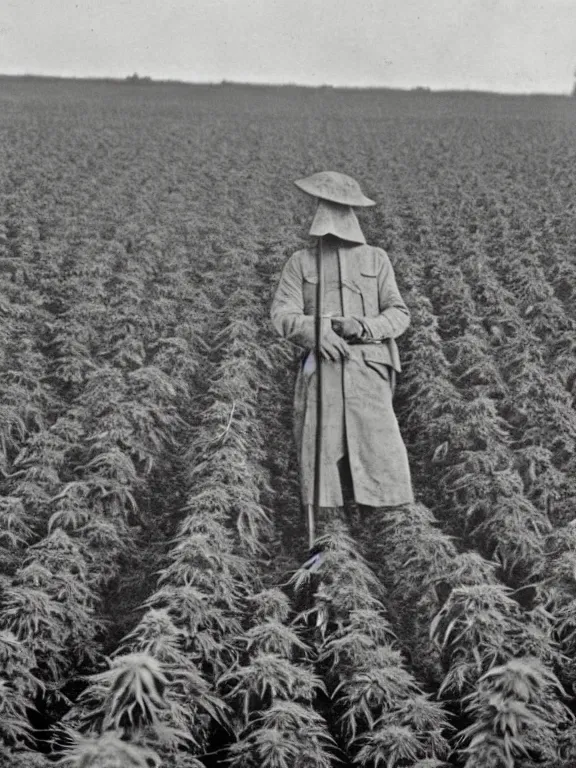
<point x="335" y="187"/>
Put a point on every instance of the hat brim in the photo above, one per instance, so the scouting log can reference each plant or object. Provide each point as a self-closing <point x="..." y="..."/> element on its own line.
<point x="356" y="201"/>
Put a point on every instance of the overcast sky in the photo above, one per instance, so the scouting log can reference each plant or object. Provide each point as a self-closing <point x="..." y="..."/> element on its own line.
<point x="506" y="45"/>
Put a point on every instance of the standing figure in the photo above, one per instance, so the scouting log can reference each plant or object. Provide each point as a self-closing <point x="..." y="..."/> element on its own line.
<point x="362" y="314"/>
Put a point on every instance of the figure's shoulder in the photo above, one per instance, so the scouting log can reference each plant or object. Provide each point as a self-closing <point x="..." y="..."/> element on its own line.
<point x="302" y="260"/>
<point x="303" y="254"/>
<point x="371" y="257"/>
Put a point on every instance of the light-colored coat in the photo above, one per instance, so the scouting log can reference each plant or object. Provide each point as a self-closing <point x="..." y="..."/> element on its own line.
<point x="358" y="417"/>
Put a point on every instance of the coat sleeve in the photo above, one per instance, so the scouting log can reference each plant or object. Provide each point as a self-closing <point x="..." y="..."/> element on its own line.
<point x="287" y="310"/>
<point x="394" y="317"/>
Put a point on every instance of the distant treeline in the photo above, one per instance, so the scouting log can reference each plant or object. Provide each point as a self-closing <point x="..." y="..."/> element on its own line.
<point x="136" y="79"/>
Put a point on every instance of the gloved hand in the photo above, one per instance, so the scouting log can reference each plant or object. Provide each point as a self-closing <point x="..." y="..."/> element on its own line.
<point x="332" y="347"/>
<point x="347" y="327"/>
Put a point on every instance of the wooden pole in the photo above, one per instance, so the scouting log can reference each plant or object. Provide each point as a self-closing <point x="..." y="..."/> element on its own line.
<point x="314" y="511"/>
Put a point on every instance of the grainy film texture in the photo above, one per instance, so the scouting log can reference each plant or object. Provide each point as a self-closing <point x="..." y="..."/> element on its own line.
<point x="149" y="510"/>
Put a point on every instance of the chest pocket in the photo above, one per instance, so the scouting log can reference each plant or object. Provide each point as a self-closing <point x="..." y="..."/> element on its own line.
<point x="363" y="287"/>
<point x="332" y="293"/>
<point x="368" y="283"/>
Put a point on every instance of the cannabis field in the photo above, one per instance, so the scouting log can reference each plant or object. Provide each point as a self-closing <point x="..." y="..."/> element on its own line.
<point x="153" y="608"/>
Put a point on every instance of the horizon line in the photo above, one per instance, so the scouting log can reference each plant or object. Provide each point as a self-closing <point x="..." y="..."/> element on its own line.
<point x="150" y="80"/>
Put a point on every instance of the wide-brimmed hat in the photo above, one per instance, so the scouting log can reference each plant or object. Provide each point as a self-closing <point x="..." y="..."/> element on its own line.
<point x="336" y="187"/>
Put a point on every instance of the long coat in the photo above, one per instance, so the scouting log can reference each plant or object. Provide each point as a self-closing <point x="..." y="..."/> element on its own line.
<point x="358" y="417"/>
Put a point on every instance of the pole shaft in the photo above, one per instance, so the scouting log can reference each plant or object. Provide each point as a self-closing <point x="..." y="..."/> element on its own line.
<point x="319" y="388"/>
